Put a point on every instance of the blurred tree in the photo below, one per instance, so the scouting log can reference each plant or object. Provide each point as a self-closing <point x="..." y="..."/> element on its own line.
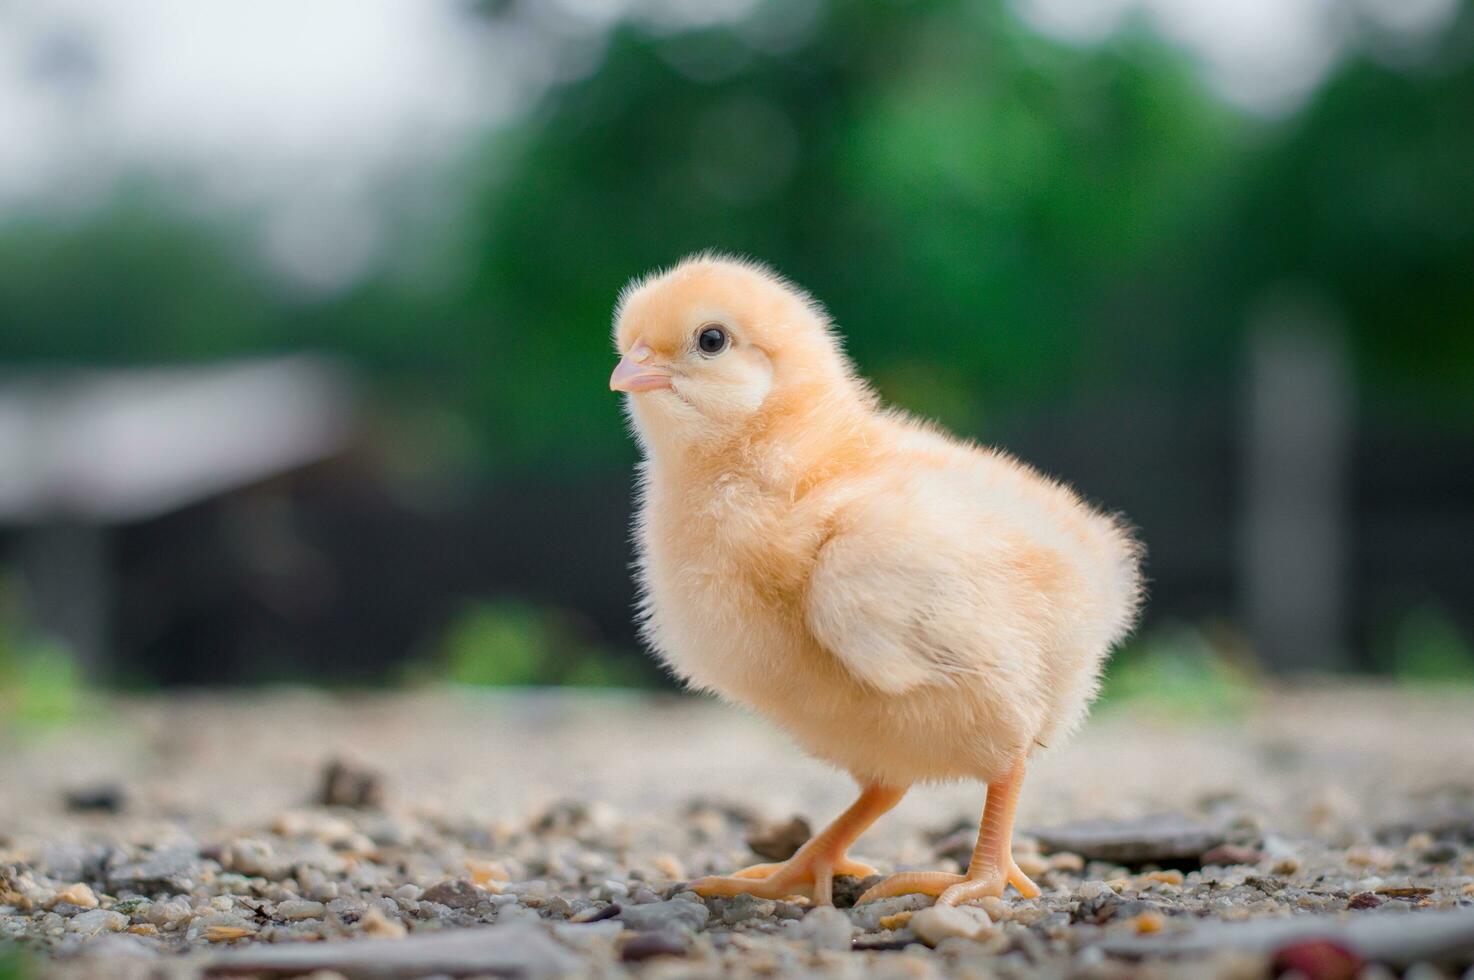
<point x="997" y="220"/>
<point x="1006" y="228"/>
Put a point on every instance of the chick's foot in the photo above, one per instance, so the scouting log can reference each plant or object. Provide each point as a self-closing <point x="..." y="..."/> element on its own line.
<point x="992" y="867"/>
<point x="953" y="889"/>
<point x="809" y="876"/>
<point x="811" y="871"/>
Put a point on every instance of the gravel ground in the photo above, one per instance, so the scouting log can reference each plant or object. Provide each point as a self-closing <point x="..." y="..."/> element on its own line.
<point x="549" y="834"/>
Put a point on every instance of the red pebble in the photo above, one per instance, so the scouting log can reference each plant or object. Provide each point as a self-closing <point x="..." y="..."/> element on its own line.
<point x="1318" y="959"/>
<point x="1226" y="855"/>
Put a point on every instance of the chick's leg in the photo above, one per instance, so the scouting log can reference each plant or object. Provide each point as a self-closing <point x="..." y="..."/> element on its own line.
<point x="992" y="867"/>
<point x="812" y="868"/>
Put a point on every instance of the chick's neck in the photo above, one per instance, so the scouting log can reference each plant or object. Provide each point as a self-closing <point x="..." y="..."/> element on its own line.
<point x="802" y="436"/>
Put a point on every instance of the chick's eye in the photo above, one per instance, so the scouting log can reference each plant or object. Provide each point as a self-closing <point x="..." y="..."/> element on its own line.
<point x="711" y="340"/>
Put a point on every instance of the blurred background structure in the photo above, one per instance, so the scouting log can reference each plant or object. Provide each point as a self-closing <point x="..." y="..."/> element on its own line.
<point x="304" y="308"/>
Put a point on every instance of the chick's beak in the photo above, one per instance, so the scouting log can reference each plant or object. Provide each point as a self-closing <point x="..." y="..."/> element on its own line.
<point x="635" y="372"/>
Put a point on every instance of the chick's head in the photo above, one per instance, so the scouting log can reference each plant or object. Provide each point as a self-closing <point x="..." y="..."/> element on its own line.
<point x="709" y="344"/>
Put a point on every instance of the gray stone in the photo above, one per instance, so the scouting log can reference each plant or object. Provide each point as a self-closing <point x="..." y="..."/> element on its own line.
<point x="743" y="908"/>
<point x="1147" y="840"/>
<point x="1397" y="940"/>
<point x="251" y="857"/>
<point x="111" y="946"/>
<point x="92" y="922"/>
<point x="518" y="949"/>
<point x="827" y="927"/>
<point x="868" y="916"/>
<point x="454" y="893"/>
<point x="169" y="870"/>
<point x="664" y="915"/>
<point x="68" y="862"/>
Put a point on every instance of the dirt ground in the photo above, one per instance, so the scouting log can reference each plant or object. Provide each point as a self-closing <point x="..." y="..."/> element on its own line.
<point x="545" y="834"/>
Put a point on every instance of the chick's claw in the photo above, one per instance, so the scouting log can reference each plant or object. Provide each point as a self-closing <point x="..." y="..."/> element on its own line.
<point x="991" y="884"/>
<point x="811" y="877"/>
<point x="1022" y="882"/>
<point x="953" y="889"/>
<point x="933" y="883"/>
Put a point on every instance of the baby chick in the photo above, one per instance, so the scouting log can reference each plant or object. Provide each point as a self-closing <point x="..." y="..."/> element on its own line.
<point x="909" y="606"/>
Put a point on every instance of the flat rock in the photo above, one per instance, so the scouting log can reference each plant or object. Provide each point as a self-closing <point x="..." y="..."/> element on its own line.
<point x="514" y="950"/>
<point x="1147" y="840"/>
<point x="1399" y="940"/>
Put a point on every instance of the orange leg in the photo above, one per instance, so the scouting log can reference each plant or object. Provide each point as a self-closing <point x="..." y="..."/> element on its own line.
<point x="992" y="868"/>
<point x="812" y="869"/>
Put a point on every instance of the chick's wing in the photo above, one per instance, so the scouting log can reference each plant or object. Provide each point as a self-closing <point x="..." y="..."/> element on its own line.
<point x="911" y="595"/>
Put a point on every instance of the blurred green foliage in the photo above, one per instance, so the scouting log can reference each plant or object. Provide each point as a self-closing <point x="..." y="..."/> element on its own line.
<point x="998" y="221"/>
<point x="1428" y="648"/>
<point x="40" y="681"/>
<point x="1176" y="670"/>
<point x="39" y="684"/>
<point x="512" y="644"/>
<point x="12" y="965"/>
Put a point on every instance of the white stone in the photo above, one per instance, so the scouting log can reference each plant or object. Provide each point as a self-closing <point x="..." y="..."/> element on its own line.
<point x="295" y="911"/>
<point x="932" y="925"/>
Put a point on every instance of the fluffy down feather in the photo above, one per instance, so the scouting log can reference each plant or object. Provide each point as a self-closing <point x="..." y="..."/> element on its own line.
<point x="908" y="605"/>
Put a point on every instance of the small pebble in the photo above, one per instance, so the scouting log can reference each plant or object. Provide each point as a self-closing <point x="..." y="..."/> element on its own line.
<point x="669" y="867"/>
<point x="1066" y="861"/>
<point x="454" y="893"/>
<point x="595" y="913"/>
<point x="226" y="934"/>
<point x="249" y="857"/>
<point x="1091" y="890"/>
<point x="295" y="911"/>
<point x="778" y="842"/>
<point x="80" y="895"/>
<point x="1149" y="922"/>
<point x="97" y="921"/>
<point x="97" y="798"/>
<point x="827" y="927"/>
<point x="648" y="945"/>
<point x="375" y="923"/>
<point x="897" y="921"/>
<point x="1228" y="855"/>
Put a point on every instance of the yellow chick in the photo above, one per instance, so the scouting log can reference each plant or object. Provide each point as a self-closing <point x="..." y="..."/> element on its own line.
<point x="911" y="607"/>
